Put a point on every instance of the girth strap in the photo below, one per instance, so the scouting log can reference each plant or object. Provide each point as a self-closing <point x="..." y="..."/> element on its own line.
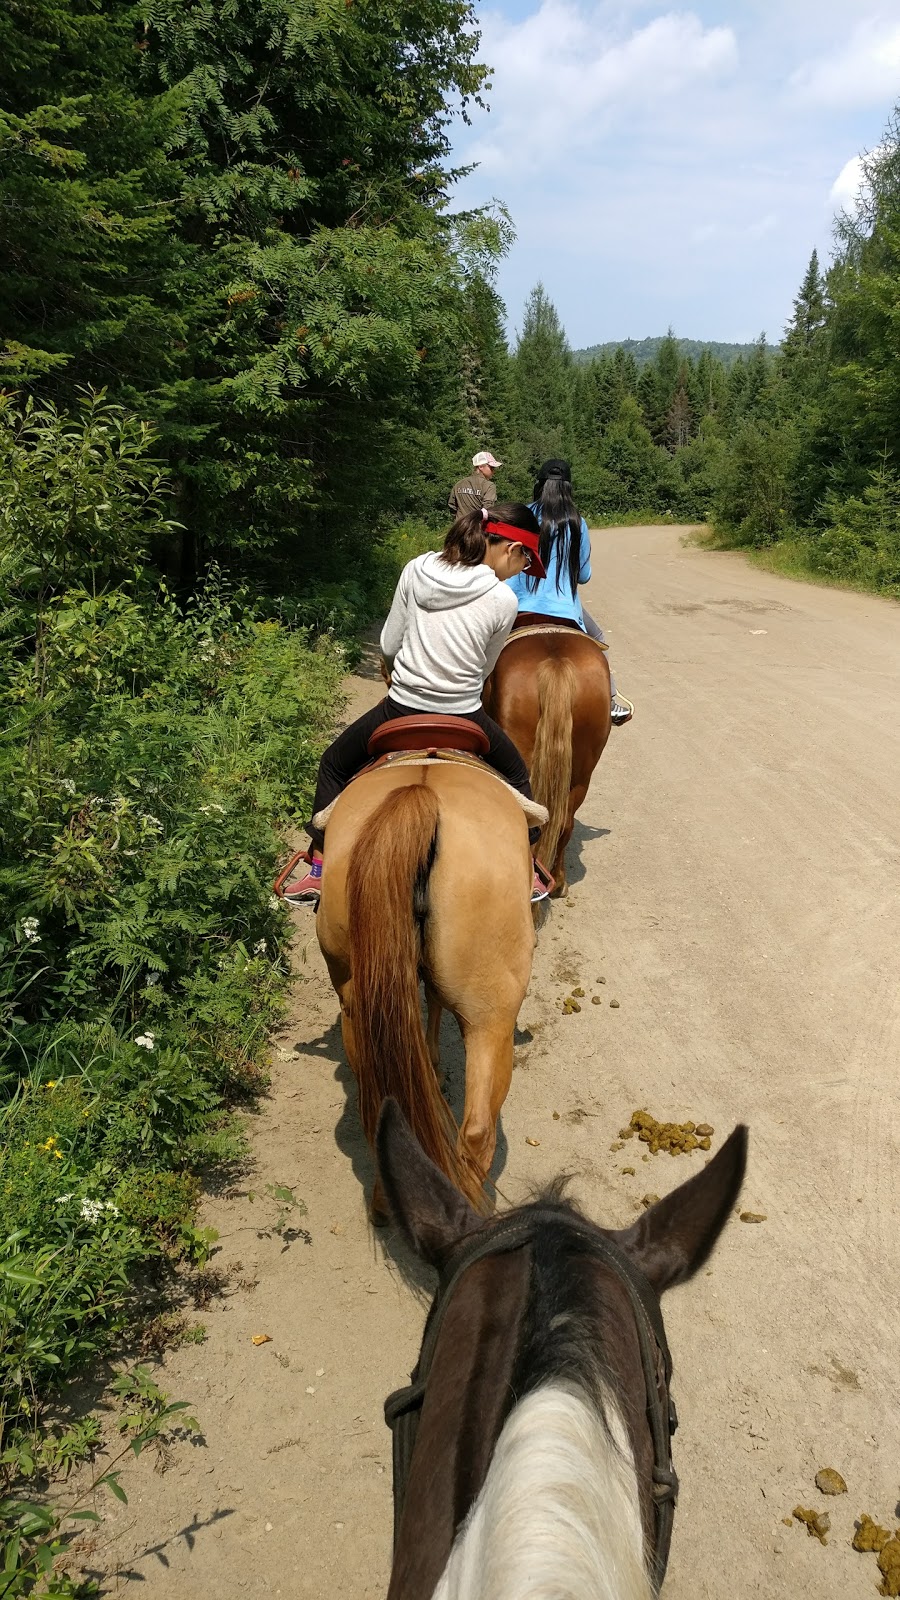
<point x="402" y="1409"/>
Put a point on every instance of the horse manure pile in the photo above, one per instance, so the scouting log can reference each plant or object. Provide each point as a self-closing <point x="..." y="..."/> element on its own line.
<point x="817" y="1523"/>
<point x="872" y="1539"/>
<point x="869" y="1538"/>
<point x="678" y="1138"/>
<point x="828" y="1481"/>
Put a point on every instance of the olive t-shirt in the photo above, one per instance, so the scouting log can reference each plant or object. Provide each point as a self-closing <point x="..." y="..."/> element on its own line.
<point x="471" y="493"/>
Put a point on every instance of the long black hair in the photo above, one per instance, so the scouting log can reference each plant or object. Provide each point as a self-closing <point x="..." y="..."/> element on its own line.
<point x="560" y="523"/>
<point x="466" y="542"/>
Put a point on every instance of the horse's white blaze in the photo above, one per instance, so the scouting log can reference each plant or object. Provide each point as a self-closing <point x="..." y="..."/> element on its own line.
<point x="558" y="1517"/>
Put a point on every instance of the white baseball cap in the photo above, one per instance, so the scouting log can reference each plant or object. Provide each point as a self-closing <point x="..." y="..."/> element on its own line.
<point x="485" y="459"/>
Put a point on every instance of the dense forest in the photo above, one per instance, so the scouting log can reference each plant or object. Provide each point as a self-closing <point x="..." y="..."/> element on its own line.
<point x="796" y="446"/>
<point x="246" y="345"/>
<point x="242" y="338"/>
<point x="647" y="350"/>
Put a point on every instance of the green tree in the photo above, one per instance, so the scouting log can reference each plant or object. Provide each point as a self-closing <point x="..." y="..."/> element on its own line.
<point x="803" y="333"/>
<point x="87" y="196"/>
<point x="543" y="382"/>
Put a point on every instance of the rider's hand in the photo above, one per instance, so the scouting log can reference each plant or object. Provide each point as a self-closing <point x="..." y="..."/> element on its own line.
<point x="384" y="671"/>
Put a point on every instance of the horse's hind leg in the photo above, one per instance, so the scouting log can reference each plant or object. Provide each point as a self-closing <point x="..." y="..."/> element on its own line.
<point x="489" y="1065"/>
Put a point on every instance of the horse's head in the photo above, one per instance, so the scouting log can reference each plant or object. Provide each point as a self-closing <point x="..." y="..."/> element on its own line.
<point x="537" y="1302"/>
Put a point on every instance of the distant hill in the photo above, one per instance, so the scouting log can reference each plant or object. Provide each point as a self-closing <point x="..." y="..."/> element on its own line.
<point x="646" y="350"/>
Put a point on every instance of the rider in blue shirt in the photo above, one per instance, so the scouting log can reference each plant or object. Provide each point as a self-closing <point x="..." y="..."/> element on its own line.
<point x="566" y="553"/>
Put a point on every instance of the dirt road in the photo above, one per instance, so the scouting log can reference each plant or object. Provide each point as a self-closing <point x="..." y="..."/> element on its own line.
<point x="736" y="881"/>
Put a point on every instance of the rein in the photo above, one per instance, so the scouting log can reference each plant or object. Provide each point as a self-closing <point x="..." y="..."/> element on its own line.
<point x="403" y="1408"/>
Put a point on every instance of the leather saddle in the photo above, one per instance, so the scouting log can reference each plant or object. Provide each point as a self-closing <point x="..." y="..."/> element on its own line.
<point x="429" y="733"/>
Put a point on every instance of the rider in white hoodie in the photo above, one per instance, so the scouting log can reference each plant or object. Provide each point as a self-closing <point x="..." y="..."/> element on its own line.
<point x="450" y="617"/>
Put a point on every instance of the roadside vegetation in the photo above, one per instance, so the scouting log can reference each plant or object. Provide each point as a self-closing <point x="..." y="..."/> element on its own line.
<point x="789" y="451"/>
<point x="246" y="346"/>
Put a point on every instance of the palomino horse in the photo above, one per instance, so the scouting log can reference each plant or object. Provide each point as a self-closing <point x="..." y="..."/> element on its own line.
<point x="428" y="870"/>
<point x="550" y="692"/>
<point x="532" y="1451"/>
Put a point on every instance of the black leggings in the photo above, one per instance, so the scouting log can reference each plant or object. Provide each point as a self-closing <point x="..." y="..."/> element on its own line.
<point x="350" y="751"/>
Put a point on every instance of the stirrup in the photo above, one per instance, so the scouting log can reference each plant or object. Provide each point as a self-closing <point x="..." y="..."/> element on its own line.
<point x="545" y="879"/>
<point x="288" y="891"/>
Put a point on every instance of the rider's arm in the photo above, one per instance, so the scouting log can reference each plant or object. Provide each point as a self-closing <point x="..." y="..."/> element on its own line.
<point x="510" y="607"/>
<point x="395" y="626"/>
<point x="585" y="571"/>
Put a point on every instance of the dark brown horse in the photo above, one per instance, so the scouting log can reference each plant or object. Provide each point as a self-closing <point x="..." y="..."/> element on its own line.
<point x="550" y="692"/>
<point x="540" y="1459"/>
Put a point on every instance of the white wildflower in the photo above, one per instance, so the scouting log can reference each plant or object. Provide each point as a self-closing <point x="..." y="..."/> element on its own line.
<point x="30" y="929"/>
<point x="152" y="823"/>
<point x="260" y="948"/>
<point x="61" y="1199"/>
<point x="274" y="902"/>
<point x="67" y="784"/>
<point x="152" y="979"/>
<point x="92" y="1210"/>
<point x="207" y="809"/>
<point x="147" y="1041"/>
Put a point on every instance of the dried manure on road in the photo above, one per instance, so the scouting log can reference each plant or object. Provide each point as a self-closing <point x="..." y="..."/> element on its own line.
<point x="817" y="1523"/>
<point x="828" y="1481"/>
<point x="678" y="1138"/>
<point x="869" y="1537"/>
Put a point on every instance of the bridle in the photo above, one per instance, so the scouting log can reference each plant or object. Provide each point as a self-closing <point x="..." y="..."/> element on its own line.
<point x="403" y="1408"/>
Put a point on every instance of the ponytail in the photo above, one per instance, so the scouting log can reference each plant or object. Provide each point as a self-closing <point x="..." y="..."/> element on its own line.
<point x="466" y="542"/>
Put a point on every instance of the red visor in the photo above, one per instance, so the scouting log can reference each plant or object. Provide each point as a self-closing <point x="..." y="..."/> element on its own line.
<point x="528" y="541"/>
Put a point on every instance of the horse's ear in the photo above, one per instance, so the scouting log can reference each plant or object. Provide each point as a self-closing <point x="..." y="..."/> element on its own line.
<point x="424" y="1204"/>
<point x="674" y="1237"/>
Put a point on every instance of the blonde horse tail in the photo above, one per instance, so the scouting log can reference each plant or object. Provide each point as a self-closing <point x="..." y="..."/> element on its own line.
<point x="551" y="762"/>
<point x="387" y="891"/>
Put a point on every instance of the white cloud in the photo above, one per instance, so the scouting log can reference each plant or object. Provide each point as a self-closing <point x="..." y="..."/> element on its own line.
<point x="863" y="71"/>
<point x="850" y="185"/>
<point x="848" y="182"/>
<point x="563" y="73"/>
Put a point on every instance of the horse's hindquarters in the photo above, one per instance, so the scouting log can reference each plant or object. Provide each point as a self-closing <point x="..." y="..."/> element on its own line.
<point x="463" y="915"/>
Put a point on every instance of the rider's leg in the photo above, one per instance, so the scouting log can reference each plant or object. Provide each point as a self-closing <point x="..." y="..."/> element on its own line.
<point x="592" y="628"/>
<point x="502" y="754"/>
<point x="594" y="631"/>
<point x="621" y="711"/>
<point x="505" y="759"/>
<point x="343" y="759"/>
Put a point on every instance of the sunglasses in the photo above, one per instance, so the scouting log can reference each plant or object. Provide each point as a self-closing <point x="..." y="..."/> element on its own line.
<point x="526" y="556"/>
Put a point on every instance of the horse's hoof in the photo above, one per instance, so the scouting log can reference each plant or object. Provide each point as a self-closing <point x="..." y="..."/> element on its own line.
<point x="379" y="1219"/>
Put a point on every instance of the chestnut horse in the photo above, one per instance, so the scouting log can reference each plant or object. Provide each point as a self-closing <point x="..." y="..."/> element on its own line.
<point x="532" y="1450"/>
<point x="428" y="870"/>
<point x="550" y="692"/>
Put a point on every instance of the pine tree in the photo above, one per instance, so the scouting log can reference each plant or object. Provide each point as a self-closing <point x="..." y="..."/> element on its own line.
<point x="543" y="382"/>
<point x="87" y="196"/>
<point x="809" y="313"/>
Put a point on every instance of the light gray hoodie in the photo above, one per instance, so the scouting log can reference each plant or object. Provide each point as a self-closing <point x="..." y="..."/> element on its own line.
<point x="444" y="632"/>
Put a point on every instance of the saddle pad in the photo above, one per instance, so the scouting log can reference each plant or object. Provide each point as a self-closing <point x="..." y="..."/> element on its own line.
<point x="535" y="815"/>
<point x="543" y="627"/>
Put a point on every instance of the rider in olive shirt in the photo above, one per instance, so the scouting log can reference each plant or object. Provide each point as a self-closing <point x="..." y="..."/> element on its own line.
<point x="478" y="490"/>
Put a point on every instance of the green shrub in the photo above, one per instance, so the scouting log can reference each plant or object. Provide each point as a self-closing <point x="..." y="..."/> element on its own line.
<point x="149" y="752"/>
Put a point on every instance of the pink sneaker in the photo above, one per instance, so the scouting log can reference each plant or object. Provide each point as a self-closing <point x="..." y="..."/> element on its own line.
<point x="305" y="891"/>
<point x="542" y="884"/>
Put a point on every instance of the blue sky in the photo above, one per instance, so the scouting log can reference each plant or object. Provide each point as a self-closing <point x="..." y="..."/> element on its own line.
<point x="677" y="165"/>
